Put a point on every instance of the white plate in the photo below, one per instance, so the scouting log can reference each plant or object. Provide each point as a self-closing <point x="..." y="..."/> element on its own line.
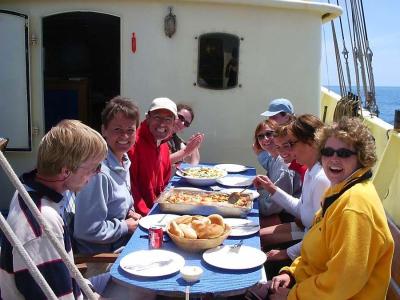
<point x="152" y="263"/>
<point x="157" y="219"/>
<point x="232" y="168"/>
<point x="236" y="180"/>
<point x="253" y="193"/>
<point x="240" y="258"/>
<point x="241" y="227"/>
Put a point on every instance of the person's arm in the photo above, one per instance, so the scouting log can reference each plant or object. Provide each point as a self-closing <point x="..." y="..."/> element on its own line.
<point x="49" y="263"/>
<point x="139" y="202"/>
<point x="354" y="249"/>
<point x="189" y="152"/>
<point x="294" y="251"/>
<point x="91" y="216"/>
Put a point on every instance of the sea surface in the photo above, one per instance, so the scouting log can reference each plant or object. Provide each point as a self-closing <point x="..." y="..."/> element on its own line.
<point x="387" y="99"/>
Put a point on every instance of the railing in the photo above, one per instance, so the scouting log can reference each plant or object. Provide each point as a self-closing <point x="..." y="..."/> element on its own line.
<point x="387" y="171"/>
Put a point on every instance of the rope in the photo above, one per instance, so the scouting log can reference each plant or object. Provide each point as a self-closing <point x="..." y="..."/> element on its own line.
<point x="16" y="243"/>
<point x="46" y="228"/>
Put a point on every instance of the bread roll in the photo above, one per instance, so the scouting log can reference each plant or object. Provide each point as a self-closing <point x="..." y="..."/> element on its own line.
<point x="216" y="219"/>
<point x="202" y="219"/>
<point x="175" y="229"/>
<point x="210" y="231"/>
<point x="188" y="231"/>
<point x="185" y="219"/>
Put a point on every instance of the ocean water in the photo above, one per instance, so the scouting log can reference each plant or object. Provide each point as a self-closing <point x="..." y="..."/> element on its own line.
<point x="387" y="99"/>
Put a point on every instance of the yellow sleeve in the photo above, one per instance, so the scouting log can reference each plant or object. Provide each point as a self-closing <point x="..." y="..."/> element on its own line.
<point x="353" y="246"/>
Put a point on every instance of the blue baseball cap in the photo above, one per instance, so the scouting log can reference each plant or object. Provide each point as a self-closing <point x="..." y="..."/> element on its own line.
<point x="279" y="105"/>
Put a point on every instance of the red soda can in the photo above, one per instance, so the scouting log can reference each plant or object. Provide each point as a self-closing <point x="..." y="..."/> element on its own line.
<point x="156" y="235"/>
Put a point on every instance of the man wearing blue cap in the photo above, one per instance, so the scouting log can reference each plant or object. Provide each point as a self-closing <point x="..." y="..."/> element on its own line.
<point x="279" y="110"/>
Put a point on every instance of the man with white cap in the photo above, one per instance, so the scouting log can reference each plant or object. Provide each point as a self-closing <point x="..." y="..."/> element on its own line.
<point x="150" y="169"/>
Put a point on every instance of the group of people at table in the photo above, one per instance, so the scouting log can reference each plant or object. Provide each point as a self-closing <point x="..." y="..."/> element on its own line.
<point x="317" y="197"/>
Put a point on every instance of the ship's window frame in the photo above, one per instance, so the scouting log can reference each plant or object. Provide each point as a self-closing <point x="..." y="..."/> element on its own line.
<point x="218" y="61"/>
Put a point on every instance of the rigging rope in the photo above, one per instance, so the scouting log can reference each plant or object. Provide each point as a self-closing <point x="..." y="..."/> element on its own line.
<point x="46" y="228"/>
<point x="351" y="104"/>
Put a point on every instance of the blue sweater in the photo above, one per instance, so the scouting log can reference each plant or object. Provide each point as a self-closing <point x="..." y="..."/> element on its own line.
<point x="101" y="208"/>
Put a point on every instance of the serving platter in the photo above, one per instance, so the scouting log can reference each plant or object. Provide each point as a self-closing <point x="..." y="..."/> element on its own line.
<point x="201" y="176"/>
<point x="197" y="203"/>
<point x="253" y="193"/>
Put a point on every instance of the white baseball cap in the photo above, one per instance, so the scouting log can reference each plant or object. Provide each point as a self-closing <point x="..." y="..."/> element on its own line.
<point x="164" y="103"/>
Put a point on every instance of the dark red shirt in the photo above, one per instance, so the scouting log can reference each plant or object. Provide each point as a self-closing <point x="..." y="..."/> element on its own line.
<point x="299" y="168"/>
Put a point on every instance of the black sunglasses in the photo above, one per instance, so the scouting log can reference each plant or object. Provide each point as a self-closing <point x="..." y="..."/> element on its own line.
<point x="266" y="134"/>
<point x="341" y="152"/>
<point x="183" y="120"/>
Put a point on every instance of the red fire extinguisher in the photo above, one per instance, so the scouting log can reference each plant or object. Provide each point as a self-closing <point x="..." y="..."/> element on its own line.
<point x="133" y="42"/>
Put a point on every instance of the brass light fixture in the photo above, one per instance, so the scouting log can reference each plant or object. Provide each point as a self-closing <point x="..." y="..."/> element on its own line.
<point x="170" y="23"/>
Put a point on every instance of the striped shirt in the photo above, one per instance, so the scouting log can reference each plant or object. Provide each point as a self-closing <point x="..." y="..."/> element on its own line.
<point x="15" y="280"/>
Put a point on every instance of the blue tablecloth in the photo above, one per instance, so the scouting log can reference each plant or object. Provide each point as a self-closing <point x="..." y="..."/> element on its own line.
<point x="214" y="280"/>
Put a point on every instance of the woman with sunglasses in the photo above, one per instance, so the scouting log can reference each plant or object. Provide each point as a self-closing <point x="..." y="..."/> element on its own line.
<point x="181" y="150"/>
<point x="301" y="133"/>
<point x="104" y="217"/>
<point x="277" y="171"/>
<point x="347" y="252"/>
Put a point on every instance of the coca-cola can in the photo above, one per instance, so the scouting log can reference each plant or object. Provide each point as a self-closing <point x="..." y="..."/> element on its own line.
<point x="156" y="235"/>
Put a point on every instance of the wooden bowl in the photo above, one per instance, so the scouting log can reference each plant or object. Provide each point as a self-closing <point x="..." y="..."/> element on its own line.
<point x="198" y="245"/>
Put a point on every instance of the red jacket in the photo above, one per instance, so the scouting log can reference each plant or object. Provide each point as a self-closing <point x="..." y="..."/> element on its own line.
<point x="150" y="169"/>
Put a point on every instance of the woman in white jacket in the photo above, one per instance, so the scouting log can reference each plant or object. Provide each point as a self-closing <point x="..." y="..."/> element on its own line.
<point x="303" y="145"/>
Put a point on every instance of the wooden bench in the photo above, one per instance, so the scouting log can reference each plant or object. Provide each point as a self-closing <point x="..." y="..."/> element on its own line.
<point x="394" y="286"/>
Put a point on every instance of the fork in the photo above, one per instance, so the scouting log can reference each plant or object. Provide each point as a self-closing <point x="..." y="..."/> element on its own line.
<point x="142" y="267"/>
<point x="237" y="245"/>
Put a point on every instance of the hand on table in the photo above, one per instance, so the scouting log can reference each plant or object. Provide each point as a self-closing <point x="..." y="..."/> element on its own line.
<point x="132" y="224"/>
<point x="279" y="285"/>
<point x="133" y="215"/>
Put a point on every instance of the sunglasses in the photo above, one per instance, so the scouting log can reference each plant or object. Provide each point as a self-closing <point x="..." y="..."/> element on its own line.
<point x="183" y="120"/>
<point x="266" y="134"/>
<point x="341" y="152"/>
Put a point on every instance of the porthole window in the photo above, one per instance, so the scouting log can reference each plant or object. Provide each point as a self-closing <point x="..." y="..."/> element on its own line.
<point x="218" y="63"/>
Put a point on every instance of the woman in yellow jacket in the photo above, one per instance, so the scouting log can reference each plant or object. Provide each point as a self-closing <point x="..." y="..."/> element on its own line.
<point x="348" y="251"/>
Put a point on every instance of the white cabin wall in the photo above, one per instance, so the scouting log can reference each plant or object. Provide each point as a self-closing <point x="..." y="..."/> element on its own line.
<point x="279" y="57"/>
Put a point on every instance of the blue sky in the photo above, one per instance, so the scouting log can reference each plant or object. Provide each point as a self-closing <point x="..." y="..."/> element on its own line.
<point x="383" y="29"/>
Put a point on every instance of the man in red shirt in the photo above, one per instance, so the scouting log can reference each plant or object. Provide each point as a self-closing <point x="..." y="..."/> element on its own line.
<point x="150" y="168"/>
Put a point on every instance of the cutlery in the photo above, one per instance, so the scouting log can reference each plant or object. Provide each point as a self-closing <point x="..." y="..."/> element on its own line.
<point x="235" y="196"/>
<point x="237" y="245"/>
<point x="245" y="226"/>
<point x="157" y="263"/>
<point x="182" y="171"/>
